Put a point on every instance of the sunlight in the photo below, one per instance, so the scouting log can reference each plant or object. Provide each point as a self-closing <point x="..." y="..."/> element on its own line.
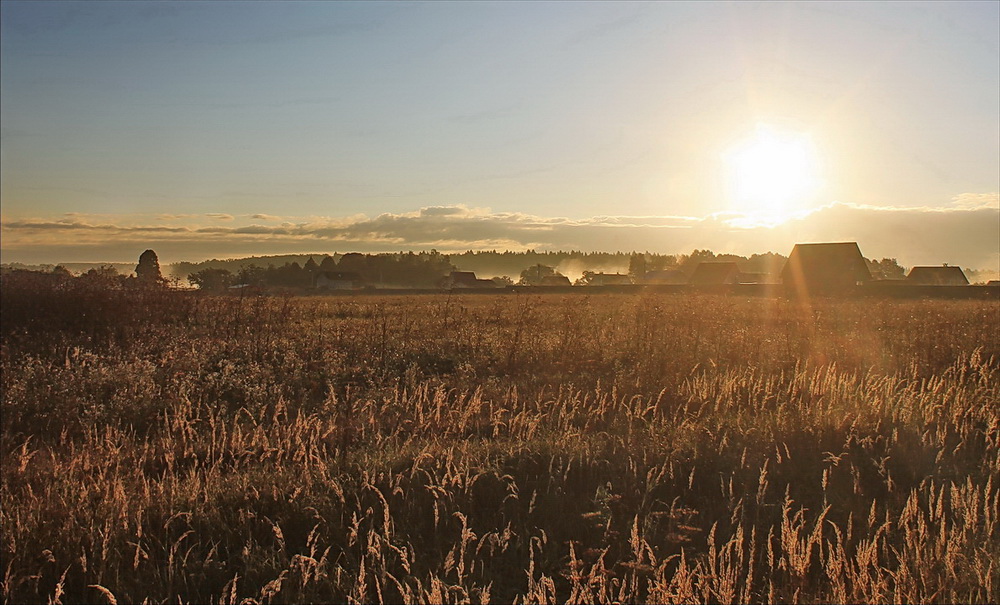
<point x="772" y="175"/>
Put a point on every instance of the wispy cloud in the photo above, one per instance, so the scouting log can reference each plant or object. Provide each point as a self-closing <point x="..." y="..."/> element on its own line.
<point x="964" y="233"/>
<point x="972" y="201"/>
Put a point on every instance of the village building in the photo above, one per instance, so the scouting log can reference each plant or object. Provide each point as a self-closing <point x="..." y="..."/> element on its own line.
<point x="466" y="279"/>
<point x="826" y="268"/>
<point x="937" y="276"/>
<point x="555" y="280"/>
<point x="338" y="280"/>
<point x="715" y="274"/>
<point x="460" y="279"/>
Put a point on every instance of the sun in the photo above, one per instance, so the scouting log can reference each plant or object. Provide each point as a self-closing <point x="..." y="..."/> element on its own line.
<point x="772" y="175"/>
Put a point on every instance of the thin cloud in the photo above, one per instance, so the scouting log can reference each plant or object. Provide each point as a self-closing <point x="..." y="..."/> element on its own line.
<point x="973" y="201"/>
<point x="443" y="211"/>
<point x="76" y="225"/>
<point x="220" y="216"/>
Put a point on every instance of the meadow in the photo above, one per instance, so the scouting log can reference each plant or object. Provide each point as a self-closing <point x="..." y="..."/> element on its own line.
<point x="173" y="447"/>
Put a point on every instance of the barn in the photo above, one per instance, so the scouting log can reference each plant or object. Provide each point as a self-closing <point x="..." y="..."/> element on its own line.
<point x="715" y="274"/>
<point x="825" y="268"/>
<point x="556" y="280"/>
<point x="466" y="279"/>
<point x="937" y="276"/>
<point x="460" y="279"/>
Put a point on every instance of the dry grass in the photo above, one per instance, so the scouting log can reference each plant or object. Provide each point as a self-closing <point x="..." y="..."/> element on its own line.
<point x="502" y="448"/>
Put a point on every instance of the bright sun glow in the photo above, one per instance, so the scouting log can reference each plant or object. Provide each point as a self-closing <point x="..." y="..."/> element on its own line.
<point x="772" y="175"/>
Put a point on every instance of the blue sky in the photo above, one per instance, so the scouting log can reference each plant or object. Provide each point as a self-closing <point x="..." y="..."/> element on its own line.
<point x="225" y="128"/>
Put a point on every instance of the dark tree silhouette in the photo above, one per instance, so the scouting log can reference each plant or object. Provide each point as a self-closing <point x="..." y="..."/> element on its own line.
<point x="148" y="269"/>
<point x="353" y="261"/>
<point x="328" y="264"/>
<point x="637" y="266"/>
<point x="887" y="268"/>
<point x="210" y="279"/>
<point x="533" y="276"/>
<point x="251" y="275"/>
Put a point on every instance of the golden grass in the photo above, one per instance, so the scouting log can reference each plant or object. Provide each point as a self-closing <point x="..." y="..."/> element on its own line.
<point x="506" y="448"/>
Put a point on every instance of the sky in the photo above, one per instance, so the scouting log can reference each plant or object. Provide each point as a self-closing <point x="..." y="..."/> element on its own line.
<point x="225" y="129"/>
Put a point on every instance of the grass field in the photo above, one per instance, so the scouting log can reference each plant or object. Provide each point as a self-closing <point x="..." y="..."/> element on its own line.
<point x="509" y="448"/>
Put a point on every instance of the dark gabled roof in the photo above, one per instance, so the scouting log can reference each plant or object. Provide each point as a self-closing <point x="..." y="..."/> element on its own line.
<point x="826" y="264"/>
<point x="715" y="273"/>
<point x="555" y="280"/>
<point x="463" y="277"/>
<point x="937" y="276"/>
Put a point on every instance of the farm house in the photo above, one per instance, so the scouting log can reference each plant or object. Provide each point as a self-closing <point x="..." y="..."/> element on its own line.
<point x="937" y="276"/>
<point x="824" y="268"/>
<point x="556" y="280"/>
<point x="715" y="274"/>
<point x="466" y="279"/>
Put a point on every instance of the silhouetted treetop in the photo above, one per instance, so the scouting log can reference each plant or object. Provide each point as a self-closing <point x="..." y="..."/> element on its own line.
<point x="148" y="269"/>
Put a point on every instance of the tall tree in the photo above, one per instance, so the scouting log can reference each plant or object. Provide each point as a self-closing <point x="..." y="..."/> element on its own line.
<point x="352" y="261"/>
<point x="637" y="266"/>
<point x="148" y="269"/>
<point x="887" y="268"/>
<point x="250" y="275"/>
<point x="328" y="264"/>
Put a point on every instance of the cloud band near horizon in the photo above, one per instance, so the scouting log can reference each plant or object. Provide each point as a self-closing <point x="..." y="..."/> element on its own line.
<point x="966" y="233"/>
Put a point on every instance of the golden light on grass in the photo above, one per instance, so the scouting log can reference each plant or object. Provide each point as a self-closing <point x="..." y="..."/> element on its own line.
<point x="772" y="174"/>
<point x="173" y="447"/>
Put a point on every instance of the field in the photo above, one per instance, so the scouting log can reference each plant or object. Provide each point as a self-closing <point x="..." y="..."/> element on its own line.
<point x="172" y="447"/>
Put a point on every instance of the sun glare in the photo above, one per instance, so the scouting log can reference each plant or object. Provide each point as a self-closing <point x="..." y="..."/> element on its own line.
<point x="772" y="175"/>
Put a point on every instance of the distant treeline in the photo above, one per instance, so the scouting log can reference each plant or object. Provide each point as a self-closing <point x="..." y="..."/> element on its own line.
<point x="74" y="268"/>
<point x="415" y="268"/>
<point x="489" y="263"/>
<point x="574" y="263"/>
<point x="403" y="269"/>
<point x="426" y="269"/>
